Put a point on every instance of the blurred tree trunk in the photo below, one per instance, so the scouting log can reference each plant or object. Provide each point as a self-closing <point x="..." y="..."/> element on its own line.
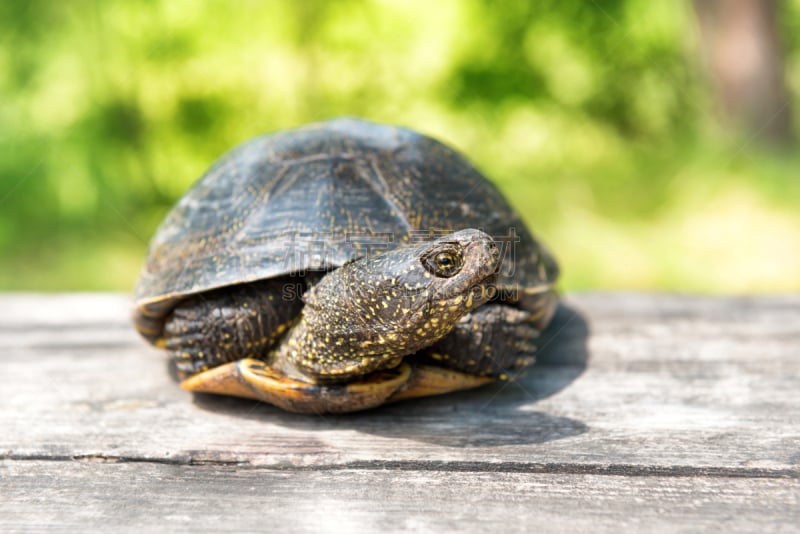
<point x="746" y="62"/>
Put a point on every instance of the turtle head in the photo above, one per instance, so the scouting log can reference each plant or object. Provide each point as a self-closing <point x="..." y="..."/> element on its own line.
<point x="436" y="282"/>
<point x="370" y="313"/>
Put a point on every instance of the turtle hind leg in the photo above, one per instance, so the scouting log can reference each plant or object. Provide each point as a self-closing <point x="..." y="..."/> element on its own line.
<point x="496" y="340"/>
<point x="227" y="324"/>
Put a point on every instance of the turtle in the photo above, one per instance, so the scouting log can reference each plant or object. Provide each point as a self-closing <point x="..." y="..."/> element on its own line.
<point x="342" y="265"/>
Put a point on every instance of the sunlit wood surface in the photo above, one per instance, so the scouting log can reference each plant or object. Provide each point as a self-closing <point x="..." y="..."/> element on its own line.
<point x="650" y="412"/>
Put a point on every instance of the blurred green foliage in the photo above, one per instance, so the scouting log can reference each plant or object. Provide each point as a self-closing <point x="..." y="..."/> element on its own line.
<point x="594" y="117"/>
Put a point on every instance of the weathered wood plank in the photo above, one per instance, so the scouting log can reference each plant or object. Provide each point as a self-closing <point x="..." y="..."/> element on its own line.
<point x="143" y="496"/>
<point x="655" y="412"/>
<point x="673" y="384"/>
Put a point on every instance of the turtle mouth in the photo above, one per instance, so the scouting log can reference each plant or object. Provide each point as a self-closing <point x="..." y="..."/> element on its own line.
<point x="476" y="294"/>
<point x="480" y="294"/>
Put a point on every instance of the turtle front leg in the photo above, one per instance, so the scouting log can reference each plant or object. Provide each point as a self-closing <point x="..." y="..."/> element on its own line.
<point x="231" y="323"/>
<point x="494" y="340"/>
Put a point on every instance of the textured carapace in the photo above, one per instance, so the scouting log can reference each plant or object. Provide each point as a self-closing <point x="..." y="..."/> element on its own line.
<point x="317" y="197"/>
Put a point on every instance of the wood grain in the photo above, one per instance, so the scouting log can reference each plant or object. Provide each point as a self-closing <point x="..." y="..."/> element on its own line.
<point x="662" y="412"/>
<point x="138" y="496"/>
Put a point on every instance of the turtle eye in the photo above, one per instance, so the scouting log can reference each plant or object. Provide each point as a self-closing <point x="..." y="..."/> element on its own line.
<point x="444" y="263"/>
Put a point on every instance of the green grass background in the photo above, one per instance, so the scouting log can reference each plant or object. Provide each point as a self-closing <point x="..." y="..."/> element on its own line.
<point x="594" y="117"/>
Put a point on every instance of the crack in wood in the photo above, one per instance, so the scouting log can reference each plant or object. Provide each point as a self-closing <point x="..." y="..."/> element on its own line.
<point x="440" y="466"/>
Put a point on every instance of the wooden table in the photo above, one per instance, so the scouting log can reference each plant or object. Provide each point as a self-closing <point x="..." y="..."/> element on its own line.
<point x="646" y="412"/>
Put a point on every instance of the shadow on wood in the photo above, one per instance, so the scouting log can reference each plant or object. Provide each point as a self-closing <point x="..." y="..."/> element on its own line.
<point x="496" y="415"/>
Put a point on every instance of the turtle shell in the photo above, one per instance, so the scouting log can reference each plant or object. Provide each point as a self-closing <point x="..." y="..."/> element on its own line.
<point x="316" y="197"/>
